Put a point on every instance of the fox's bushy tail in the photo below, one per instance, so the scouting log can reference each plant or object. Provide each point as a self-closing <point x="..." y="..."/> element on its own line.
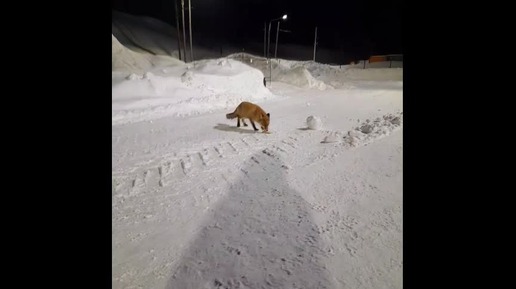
<point x="231" y="115"/>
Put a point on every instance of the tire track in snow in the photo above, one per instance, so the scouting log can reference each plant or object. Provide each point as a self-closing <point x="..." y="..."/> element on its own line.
<point x="227" y="153"/>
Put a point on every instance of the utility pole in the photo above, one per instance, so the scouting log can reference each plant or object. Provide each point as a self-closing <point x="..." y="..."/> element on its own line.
<point x="315" y="41"/>
<point x="190" y="27"/>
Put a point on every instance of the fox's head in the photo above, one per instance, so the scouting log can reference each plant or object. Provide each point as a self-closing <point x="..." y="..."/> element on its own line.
<point x="264" y="121"/>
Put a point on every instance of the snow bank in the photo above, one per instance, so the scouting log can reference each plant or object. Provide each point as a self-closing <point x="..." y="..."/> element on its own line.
<point x="126" y="60"/>
<point x="310" y="74"/>
<point x="187" y="90"/>
<point x="300" y="77"/>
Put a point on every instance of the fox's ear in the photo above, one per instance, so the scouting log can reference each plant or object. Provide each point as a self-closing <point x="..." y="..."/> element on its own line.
<point x="268" y="115"/>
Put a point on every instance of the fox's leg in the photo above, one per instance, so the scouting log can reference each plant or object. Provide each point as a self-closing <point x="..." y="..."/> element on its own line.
<point x="252" y="123"/>
<point x="238" y="122"/>
<point x="243" y="121"/>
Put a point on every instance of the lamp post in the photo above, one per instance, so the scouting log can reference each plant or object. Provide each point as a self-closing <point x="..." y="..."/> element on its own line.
<point x="284" y="17"/>
<point x="279" y="30"/>
<point x="277" y="35"/>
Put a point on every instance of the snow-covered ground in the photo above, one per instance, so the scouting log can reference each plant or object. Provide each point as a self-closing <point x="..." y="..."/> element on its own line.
<point x="200" y="203"/>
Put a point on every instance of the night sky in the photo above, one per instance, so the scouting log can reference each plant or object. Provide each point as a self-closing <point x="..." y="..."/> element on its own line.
<point x="359" y="27"/>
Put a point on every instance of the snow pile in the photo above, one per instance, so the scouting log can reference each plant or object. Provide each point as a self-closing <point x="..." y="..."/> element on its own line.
<point x="126" y="60"/>
<point x="210" y="85"/>
<point x="310" y="74"/>
<point x="288" y="71"/>
<point x="144" y="34"/>
<point x="319" y="70"/>
<point x="300" y="77"/>
<point x="314" y="122"/>
<point x="342" y="75"/>
<point x="369" y="130"/>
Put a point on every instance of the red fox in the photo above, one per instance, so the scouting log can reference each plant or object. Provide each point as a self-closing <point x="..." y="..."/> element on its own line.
<point x="253" y="112"/>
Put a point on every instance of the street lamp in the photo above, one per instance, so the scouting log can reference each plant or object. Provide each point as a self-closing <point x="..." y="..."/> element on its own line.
<point x="277" y="36"/>
<point x="284" y="17"/>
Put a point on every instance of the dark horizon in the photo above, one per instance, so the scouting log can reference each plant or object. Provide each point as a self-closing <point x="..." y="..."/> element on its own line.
<point x="358" y="28"/>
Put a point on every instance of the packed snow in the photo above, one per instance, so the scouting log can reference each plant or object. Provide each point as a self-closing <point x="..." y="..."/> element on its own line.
<point x="198" y="202"/>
